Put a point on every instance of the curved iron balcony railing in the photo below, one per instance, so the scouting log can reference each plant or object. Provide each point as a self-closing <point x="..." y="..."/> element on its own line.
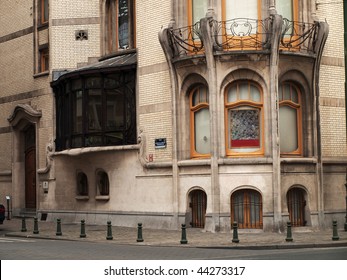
<point x="243" y="34"/>
<point x="298" y="36"/>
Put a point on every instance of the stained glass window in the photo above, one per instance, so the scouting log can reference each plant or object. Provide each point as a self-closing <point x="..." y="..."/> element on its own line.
<point x="244" y="118"/>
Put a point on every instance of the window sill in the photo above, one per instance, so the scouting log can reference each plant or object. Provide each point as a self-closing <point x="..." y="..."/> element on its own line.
<point x="245" y="160"/>
<point x="41" y="74"/>
<point x="102" y="197"/>
<point x="299" y="160"/>
<point x="82" y="197"/>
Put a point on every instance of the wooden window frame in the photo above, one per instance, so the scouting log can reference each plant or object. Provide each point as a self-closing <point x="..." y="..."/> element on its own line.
<point x="42" y="18"/>
<point x="225" y="36"/>
<point x="112" y="26"/>
<point x="241" y="103"/>
<point x="43" y="55"/>
<point x="298" y="107"/>
<point x="193" y="110"/>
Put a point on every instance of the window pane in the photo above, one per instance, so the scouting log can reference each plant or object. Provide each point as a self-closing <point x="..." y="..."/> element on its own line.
<point x="232" y="94"/>
<point x="123" y="23"/>
<point x="286" y="92"/>
<point x="288" y="129"/>
<point x="199" y="9"/>
<point x="77" y="112"/>
<point x="295" y="95"/>
<point x="255" y="94"/>
<point x="241" y="9"/>
<point x="244" y="128"/>
<point x="115" y="110"/>
<point x="243" y="91"/>
<point x="94" y="110"/>
<point x="285" y="8"/>
<point x="202" y="131"/>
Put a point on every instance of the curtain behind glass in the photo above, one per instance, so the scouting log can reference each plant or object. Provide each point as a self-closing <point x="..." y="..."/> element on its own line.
<point x="285" y="8"/>
<point x="288" y="129"/>
<point x="202" y="131"/>
<point x="241" y="9"/>
<point x="199" y="9"/>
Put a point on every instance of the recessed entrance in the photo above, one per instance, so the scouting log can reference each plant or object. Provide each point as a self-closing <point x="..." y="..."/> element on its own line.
<point x="30" y="168"/>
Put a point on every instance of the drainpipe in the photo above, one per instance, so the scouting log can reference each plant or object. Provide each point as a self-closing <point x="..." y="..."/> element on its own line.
<point x="345" y="52"/>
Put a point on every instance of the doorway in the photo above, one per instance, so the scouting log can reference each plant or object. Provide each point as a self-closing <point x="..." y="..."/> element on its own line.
<point x="30" y="168"/>
<point x="198" y="203"/>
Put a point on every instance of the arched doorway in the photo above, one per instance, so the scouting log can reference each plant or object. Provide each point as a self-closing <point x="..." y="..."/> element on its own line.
<point x="30" y="167"/>
<point x="198" y="203"/>
<point x="296" y="206"/>
<point x="247" y="209"/>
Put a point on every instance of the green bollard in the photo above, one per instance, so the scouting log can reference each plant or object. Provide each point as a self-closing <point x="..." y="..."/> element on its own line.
<point x="335" y="234"/>
<point x="58" y="233"/>
<point x="235" y="233"/>
<point x="139" y="233"/>
<point x="109" y="231"/>
<point x="184" y="235"/>
<point x="24" y="227"/>
<point x="289" y="232"/>
<point x="36" y="226"/>
<point x="83" y="229"/>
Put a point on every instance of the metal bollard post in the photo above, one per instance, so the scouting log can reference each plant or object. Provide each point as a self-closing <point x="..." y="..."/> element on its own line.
<point x="235" y="233"/>
<point x="289" y="232"/>
<point x="109" y="231"/>
<point x="335" y="234"/>
<point x="24" y="228"/>
<point x="139" y="233"/>
<point x="58" y="233"/>
<point x="36" y="226"/>
<point x="83" y="229"/>
<point x="184" y="235"/>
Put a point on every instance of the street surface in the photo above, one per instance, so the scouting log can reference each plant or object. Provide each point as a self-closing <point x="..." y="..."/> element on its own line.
<point x="43" y="249"/>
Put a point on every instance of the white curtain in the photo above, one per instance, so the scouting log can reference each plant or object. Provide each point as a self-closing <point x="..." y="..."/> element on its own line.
<point x="241" y="9"/>
<point x="202" y="131"/>
<point x="199" y="9"/>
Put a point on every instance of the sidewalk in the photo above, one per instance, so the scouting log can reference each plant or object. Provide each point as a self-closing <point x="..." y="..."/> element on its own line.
<point x="302" y="238"/>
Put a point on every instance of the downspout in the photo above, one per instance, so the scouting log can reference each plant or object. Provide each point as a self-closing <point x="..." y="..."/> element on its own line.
<point x="345" y="51"/>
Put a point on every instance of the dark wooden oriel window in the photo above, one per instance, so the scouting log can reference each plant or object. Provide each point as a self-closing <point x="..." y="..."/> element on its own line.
<point x="96" y="110"/>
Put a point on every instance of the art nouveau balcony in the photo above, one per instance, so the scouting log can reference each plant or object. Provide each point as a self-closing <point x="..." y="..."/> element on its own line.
<point x="245" y="35"/>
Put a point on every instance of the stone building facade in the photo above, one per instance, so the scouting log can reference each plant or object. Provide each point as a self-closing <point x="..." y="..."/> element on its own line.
<point x="199" y="112"/>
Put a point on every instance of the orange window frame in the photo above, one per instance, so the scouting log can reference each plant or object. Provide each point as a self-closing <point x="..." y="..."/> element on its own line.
<point x="193" y="110"/>
<point x="43" y="11"/>
<point x="295" y="9"/>
<point x="192" y="41"/>
<point x="44" y="60"/>
<point x="112" y="26"/>
<point x="238" y="104"/>
<point x="298" y="107"/>
<point x="226" y="36"/>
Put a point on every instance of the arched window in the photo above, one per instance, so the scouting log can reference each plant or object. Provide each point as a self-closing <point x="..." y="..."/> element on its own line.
<point x="247" y="209"/>
<point x="290" y="119"/>
<point x="119" y="25"/>
<point x="82" y="184"/>
<point x="198" y="203"/>
<point x="244" y="119"/>
<point x="296" y="206"/>
<point x="200" y="122"/>
<point x="103" y="185"/>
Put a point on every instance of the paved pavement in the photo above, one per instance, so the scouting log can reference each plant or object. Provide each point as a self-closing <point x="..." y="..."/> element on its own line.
<point x="302" y="237"/>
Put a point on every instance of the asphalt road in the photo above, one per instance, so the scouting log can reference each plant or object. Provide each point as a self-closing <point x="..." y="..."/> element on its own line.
<point x="42" y="249"/>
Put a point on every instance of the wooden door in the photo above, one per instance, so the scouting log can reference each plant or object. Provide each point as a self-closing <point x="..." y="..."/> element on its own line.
<point x="30" y="178"/>
<point x="198" y="204"/>
<point x="296" y="207"/>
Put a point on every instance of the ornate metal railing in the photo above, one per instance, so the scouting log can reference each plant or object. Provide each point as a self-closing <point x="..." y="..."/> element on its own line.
<point x="242" y="34"/>
<point x="245" y="35"/>
<point x="298" y="36"/>
<point x="186" y="40"/>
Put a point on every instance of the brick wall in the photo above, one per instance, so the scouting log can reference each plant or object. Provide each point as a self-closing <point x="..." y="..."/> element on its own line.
<point x="332" y="91"/>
